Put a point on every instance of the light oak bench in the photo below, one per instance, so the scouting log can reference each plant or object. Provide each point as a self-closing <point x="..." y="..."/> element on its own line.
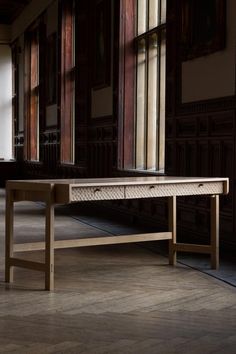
<point x="65" y="191"/>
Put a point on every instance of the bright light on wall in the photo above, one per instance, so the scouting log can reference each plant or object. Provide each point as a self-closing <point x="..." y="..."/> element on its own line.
<point x="5" y="102"/>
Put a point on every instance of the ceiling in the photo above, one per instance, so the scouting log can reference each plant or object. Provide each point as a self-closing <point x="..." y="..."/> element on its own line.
<point x="10" y="9"/>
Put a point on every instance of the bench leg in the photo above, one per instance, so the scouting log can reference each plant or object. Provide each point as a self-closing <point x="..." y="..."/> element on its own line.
<point x="172" y="228"/>
<point x="9" y="236"/>
<point x="49" y="249"/>
<point x="215" y="231"/>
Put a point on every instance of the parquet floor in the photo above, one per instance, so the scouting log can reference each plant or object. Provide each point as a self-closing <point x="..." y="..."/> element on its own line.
<point x="110" y="299"/>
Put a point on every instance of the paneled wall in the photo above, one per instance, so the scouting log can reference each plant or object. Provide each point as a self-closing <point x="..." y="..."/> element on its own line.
<point x="200" y="134"/>
<point x="200" y="131"/>
<point x="102" y="148"/>
<point x="95" y="113"/>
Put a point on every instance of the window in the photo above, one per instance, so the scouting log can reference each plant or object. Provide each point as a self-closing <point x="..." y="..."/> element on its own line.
<point x="32" y="95"/>
<point x="67" y="81"/>
<point x="144" y="123"/>
<point x="15" y="89"/>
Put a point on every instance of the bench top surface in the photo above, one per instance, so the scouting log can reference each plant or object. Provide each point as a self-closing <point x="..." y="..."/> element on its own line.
<point x="122" y="180"/>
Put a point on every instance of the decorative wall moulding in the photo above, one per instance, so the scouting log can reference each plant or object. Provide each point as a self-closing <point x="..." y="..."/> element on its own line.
<point x="217" y="104"/>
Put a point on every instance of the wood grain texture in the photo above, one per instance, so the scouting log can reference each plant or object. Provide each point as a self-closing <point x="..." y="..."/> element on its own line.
<point x="67" y="82"/>
<point x="126" y="84"/>
<point x="115" y="188"/>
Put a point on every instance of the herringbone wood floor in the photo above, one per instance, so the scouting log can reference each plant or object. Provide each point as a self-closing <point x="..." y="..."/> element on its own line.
<point x="113" y="299"/>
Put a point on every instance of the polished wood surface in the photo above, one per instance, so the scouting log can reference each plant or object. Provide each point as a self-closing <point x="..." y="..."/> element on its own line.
<point x="121" y="181"/>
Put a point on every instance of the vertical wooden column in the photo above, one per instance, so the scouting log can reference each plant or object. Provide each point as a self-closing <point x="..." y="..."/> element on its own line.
<point x="49" y="240"/>
<point x="172" y="228"/>
<point x="9" y="235"/>
<point x="125" y="89"/>
<point x="215" y="231"/>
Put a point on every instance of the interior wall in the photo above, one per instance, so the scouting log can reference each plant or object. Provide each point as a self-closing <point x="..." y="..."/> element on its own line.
<point x="101" y="102"/>
<point x="200" y="125"/>
<point x="102" y="99"/>
<point x="51" y="28"/>
<point x="31" y="13"/>
<point x="200" y="138"/>
<point x="213" y="75"/>
<point x="95" y="126"/>
<point x="5" y="102"/>
<point x="52" y="18"/>
<point x="21" y="84"/>
<point x="102" y="122"/>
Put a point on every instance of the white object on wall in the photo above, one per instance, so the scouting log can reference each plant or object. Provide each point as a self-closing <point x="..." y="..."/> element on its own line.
<point x="5" y="102"/>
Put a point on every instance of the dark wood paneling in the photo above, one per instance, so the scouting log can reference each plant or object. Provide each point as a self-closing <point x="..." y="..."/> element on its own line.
<point x="222" y="124"/>
<point x="186" y="127"/>
<point x="8" y="170"/>
<point x="66" y="80"/>
<point x="202" y="126"/>
<point x="82" y="88"/>
<point x="213" y="105"/>
<point x="50" y="148"/>
<point x="19" y="146"/>
<point x="200" y="136"/>
<point x="126" y="87"/>
<point x="203" y="159"/>
<point x="200" y="140"/>
<point x="102" y="152"/>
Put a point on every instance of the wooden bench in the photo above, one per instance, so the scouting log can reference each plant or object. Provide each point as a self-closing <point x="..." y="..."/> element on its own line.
<point x="65" y="191"/>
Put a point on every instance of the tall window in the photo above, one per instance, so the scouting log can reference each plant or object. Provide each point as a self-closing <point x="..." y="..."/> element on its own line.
<point x="32" y="95"/>
<point x="15" y="89"/>
<point x="150" y="84"/>
<point x="144" y="29"/>
<point x="67" y="81"/>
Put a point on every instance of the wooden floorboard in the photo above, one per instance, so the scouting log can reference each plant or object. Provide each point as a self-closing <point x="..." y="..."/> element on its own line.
<point x="110" y="299"/>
